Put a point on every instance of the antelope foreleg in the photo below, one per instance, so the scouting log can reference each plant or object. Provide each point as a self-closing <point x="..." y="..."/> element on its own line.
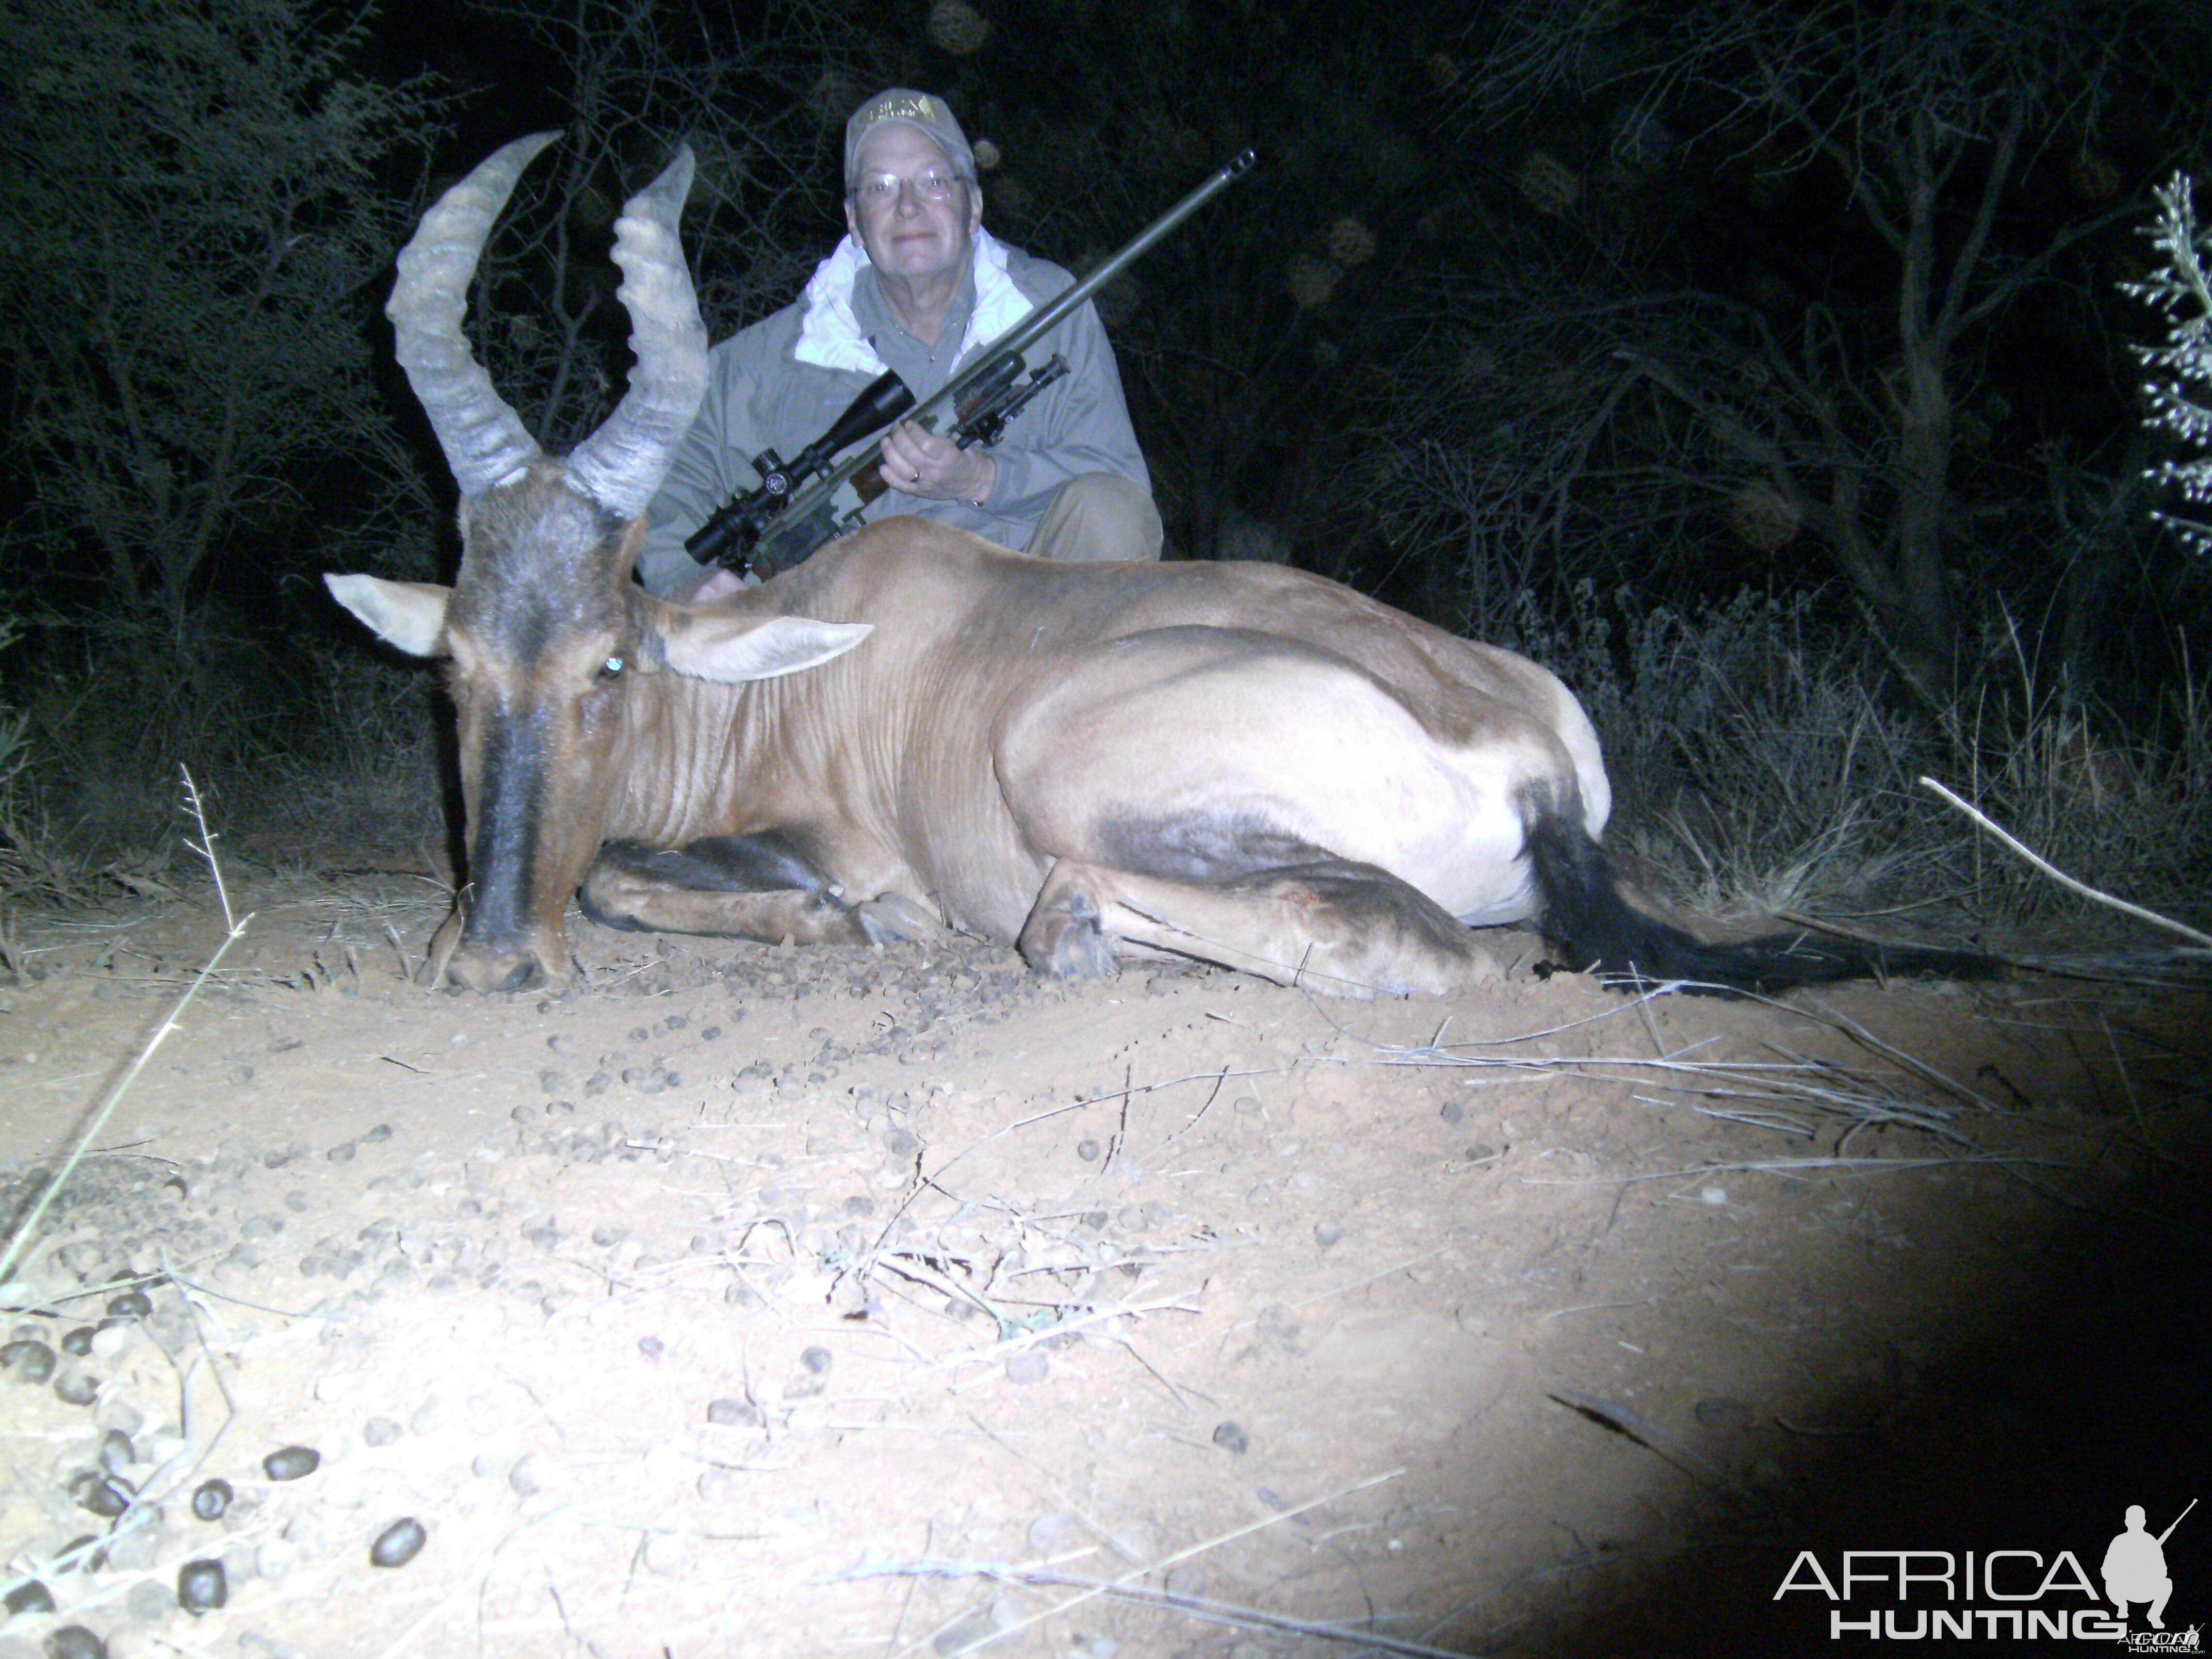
<point x="753" y="888"/>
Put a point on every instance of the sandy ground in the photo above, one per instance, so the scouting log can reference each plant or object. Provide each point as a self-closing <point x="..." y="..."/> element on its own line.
<point x="751" y="1302"/>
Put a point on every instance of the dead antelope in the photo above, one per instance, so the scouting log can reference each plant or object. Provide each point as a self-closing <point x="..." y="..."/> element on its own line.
<point x="915" y="729"/>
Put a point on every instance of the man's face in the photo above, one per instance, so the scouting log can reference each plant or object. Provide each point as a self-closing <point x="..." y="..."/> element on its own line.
<point x="905" y="234"/>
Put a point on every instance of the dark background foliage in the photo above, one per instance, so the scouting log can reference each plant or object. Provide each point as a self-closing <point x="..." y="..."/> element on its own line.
<point x="1558" y="325"/>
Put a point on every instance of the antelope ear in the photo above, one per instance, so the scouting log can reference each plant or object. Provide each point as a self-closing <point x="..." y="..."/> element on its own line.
<point x="712" y="645"/>
<point x="409" y="616"/>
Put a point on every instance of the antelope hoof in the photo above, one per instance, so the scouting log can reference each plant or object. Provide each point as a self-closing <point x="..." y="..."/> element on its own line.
<point x="893" y="918"/>
<point x="1064" y="940"/>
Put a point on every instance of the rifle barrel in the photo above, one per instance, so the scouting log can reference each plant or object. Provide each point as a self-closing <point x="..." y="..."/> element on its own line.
<point x="2178" y="1519"/>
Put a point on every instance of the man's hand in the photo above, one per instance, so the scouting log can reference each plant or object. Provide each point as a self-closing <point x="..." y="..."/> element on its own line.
<point x="920" y="463"/>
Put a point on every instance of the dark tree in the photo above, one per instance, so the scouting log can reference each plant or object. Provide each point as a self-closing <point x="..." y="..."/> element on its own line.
<point x="1966" y="150"/>
<point x="198" y="205"/>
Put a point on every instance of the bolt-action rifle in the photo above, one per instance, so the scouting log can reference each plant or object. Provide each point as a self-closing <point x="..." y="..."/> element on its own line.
<point x="790" y="514"/>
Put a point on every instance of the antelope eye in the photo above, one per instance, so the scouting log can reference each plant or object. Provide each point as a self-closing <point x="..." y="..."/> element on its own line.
<point x="612" y="668"/>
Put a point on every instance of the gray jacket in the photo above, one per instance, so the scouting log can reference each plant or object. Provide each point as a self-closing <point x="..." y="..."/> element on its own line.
<point x="781" y="383"/>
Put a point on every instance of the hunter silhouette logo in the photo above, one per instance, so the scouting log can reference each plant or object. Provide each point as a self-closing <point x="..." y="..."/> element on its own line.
<point x="2020" y="1594"/>
<point x="2135" y="1567"/>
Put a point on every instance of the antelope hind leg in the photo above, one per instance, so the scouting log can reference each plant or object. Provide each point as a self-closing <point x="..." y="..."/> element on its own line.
<point x="1345" y="929"/>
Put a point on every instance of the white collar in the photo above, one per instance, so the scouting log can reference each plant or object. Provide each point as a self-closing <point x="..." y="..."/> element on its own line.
<point x="830" y="335"/>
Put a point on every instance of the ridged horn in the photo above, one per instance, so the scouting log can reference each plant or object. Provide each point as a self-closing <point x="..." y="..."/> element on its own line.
<point x="622" y="464"/>
<point x="485" y="443"/>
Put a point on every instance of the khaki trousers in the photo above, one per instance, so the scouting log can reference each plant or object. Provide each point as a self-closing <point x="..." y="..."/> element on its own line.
<point x="1099" y="516"/>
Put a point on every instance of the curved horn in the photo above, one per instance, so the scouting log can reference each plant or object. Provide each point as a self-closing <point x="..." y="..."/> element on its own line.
<point x="484" y="440"/>
<point x="622" y="464"/>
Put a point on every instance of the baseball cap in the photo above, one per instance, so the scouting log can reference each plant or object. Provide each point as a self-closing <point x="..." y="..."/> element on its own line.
<point x="921" y="110"/>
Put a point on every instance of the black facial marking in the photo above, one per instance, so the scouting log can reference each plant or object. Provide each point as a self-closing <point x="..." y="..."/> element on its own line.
<point x="504" y="855"/>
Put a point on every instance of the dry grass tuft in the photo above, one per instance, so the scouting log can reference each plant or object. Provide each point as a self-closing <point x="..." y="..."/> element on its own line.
<point x="1760" y="770"/>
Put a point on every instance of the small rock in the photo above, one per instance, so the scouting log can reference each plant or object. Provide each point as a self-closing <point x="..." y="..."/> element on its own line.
<point x="1028" y="1366"/>
<point x="86" y="1259"/>
<point x="83" y="1554"/>
<point x="148" y="1601"/>
<point x="380" y="1431"/>
<point x="1231" y="1438"/>
<point x="132" y="1551"/>
<point x="308" y="1532"/>
<point x="211" y="1498"/>
<point x="30" y="1596"/>
<point x="1326" y="1233"/>
<point x="31" y="1360"/>
<point x="74" y="1642"/>
<point x="1054" y="1534"/>
<point x="1188" y="1579"/>
<point x="398" y="1544"/>
<point x="237" y="1562"/>
<point x="670" y="1552"/>
<point x="18" y="1295"/>
<point x="276" y="1557"/>
<point x="291" y="1463"/>
<point x="201" y="1586"/>
<point x="102" y="1494"/>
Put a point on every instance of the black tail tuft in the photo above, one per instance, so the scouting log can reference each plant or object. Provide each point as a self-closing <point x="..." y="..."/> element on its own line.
<point x="1596" y="930"/>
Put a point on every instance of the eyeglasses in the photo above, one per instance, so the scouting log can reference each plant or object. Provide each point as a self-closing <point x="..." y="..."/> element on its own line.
<point x="882" y="189"/>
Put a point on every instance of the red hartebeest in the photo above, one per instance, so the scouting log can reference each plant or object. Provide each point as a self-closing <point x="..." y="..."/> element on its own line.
<point x="1239" y="763"/>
